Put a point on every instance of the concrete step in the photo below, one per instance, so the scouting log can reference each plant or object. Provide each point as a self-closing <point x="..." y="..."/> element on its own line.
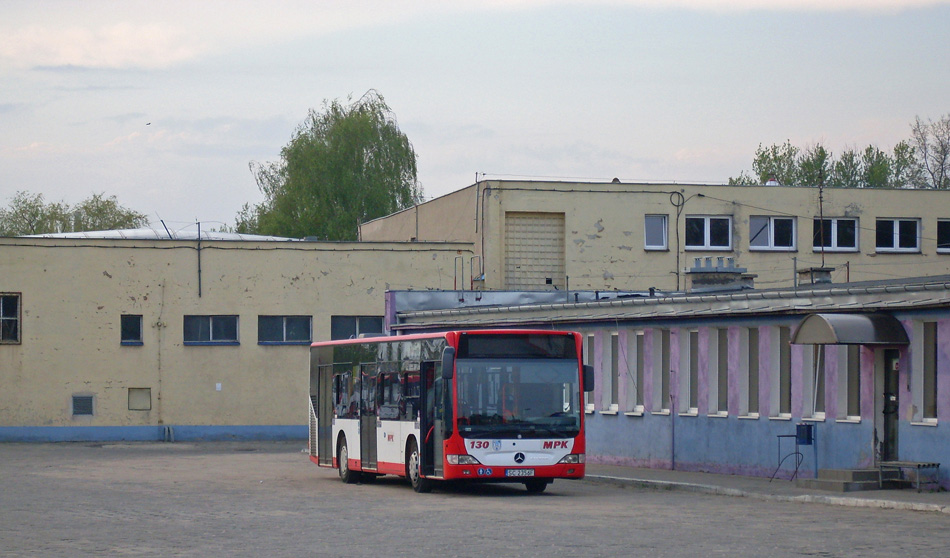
<point x="836" y="485"/>
<point x="849" y="475"/>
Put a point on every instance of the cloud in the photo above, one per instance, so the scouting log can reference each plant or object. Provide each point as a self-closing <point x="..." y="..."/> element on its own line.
<point x="153" y="35"/>
<point x="121" y="45"/>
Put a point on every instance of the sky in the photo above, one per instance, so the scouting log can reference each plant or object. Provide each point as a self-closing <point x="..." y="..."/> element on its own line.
<point x="166" y="104"/>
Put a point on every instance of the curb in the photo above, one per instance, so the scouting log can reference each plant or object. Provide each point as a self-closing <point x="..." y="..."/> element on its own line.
<point x="735" y="492"/>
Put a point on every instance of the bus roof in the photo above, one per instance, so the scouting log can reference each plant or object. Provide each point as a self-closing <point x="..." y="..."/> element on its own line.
<point x="441" y="334"/>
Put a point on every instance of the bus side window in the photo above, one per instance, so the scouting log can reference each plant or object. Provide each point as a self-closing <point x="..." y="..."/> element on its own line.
<point x="389" y="399"/>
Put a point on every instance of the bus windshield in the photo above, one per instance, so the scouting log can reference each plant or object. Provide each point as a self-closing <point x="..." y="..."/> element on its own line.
<point x="524" y="398"/>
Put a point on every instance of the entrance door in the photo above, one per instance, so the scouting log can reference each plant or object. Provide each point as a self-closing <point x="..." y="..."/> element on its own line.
<point x="890" y="405"/>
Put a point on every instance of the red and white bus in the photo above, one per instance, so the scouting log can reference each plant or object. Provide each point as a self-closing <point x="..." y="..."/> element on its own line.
<point x="486" y="405"/>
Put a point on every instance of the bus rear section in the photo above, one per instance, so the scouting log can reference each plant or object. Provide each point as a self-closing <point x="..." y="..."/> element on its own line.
<point x="478" y="406"/>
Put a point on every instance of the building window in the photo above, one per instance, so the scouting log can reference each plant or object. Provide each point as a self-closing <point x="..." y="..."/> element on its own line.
<point x="749" y="372"/>
<point x="283" y="330"/>
<point x="655" y="232"/>
<point x="943" y="236"/>
<point x="82" y="405"/>
<point x="719" y="377"/>
<point x="140" y="399"/>
<point x="9" y="318"/>
<point x="813" y="383"/>
<point x="849" y="382"/>
<point x="661" y="370"/>
<point x="634" y="375"/>
<point x="352" y="327"/>
<point x="781" y="378"/>
<point x="613" y="375"/>
<point x="898" y="235"/>
<point x="924" y="369"/>
<point x="211" y="330"/>
<point x="689" y="383"/>
<point x="772" y="233"/>
<point x="590" y="350"/>
<point x="708" y="232"/>
<point x="835" y="235"/>
<point x="131" y="329"/>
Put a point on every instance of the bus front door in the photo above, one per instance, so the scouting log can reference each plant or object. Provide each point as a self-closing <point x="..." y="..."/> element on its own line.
<point x="431" y="423"/>
<point x="368" y="417"/>
<point x="326" y="392"/>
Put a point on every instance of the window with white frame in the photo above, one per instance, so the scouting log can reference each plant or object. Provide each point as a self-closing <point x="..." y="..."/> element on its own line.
<point x="835" y="234"/>
<point x="655" y="235"/>
<point x="634" y="358"/>
<point x="689" y="382"/>
<point x="611" y="370"/>
<point x="772" y="233"/>
<point x="924" y="371"/>
<point x="283" y="330"/>
<point x="813" y="382"/>
<point x="708" y="232"/>
<point x="590" y="349"/>
<point x="943" y="236"/>
<point x="211" y="330"/>
<point x="9" y="318"/>
<point x="718" y="378"/>
<point x="898" y="235"/>
<point x="780" y="352"/>
<point x="749" y="372"/>
<point x="849" y="382"/>
<point x="660" y="342"/>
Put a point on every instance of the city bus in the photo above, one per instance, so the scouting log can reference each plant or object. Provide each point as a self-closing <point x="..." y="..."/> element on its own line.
<point x="478" y="406"/>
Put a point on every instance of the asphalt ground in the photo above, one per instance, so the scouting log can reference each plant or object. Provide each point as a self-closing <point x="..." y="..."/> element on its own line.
<point x="267" y="499"/>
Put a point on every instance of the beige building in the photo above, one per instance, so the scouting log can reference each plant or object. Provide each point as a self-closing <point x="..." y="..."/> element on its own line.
<point x="615" y="236"/>
<point x="144" y="339"/>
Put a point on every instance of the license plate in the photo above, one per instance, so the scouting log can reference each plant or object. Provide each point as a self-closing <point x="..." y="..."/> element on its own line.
<point x="519" y="473"/>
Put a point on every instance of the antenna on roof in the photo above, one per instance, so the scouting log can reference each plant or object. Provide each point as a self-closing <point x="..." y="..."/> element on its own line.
<point x="162" y="221"/>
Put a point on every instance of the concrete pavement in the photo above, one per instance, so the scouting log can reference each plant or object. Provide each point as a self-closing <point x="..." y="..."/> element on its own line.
<point x="762" y="489"/>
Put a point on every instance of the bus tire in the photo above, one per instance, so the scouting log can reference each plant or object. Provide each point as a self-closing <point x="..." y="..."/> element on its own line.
<point x="536" y="486"/>
<point x="347" y="475"/>
<point x="413" y="465"/>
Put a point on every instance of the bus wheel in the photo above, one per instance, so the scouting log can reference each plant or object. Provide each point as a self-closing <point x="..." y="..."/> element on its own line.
<point x="536" y="486"/>
<point x="347" y="475"/>
<point x="413" y="465"/>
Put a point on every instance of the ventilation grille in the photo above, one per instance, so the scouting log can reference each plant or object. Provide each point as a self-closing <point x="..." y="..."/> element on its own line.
<point x="82" y="405"/>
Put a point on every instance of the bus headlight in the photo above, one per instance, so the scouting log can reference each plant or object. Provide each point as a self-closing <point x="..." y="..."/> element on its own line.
<point x="461" y="460"/>
<point x="572" y="458"/>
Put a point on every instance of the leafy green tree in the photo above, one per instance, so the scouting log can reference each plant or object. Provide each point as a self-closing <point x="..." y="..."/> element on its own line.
<point x="905" y="172"/>
<point x="875" y="168"/>
<point x="343" y="166"/>
<point x="814" y="166"/>
<point x="777" y="162"/>
<point x="30" y="214"/>
<point x="847" y="172"/>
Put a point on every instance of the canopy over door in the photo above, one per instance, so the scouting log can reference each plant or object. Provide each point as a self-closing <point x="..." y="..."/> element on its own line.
<point x="850" y="329"/>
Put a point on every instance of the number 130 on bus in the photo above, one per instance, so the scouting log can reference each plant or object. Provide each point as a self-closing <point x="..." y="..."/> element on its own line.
<point x="477" y="406"/>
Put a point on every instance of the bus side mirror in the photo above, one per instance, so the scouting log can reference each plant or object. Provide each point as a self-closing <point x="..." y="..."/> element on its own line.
<point x="448" y="362"/>
<point x="588" y="377"/>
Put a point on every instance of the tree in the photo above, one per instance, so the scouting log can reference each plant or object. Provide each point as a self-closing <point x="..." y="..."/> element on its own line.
<point x="875" y="168"/>
<point x="931" y="141"/>
<point x="778" y="162"/>
<point x="847" y="172"/>
<point x="342" y="167"/>
<point x="905" y="172"/>
<point x="814" y="166"/>
<point x="30" y="214"/>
